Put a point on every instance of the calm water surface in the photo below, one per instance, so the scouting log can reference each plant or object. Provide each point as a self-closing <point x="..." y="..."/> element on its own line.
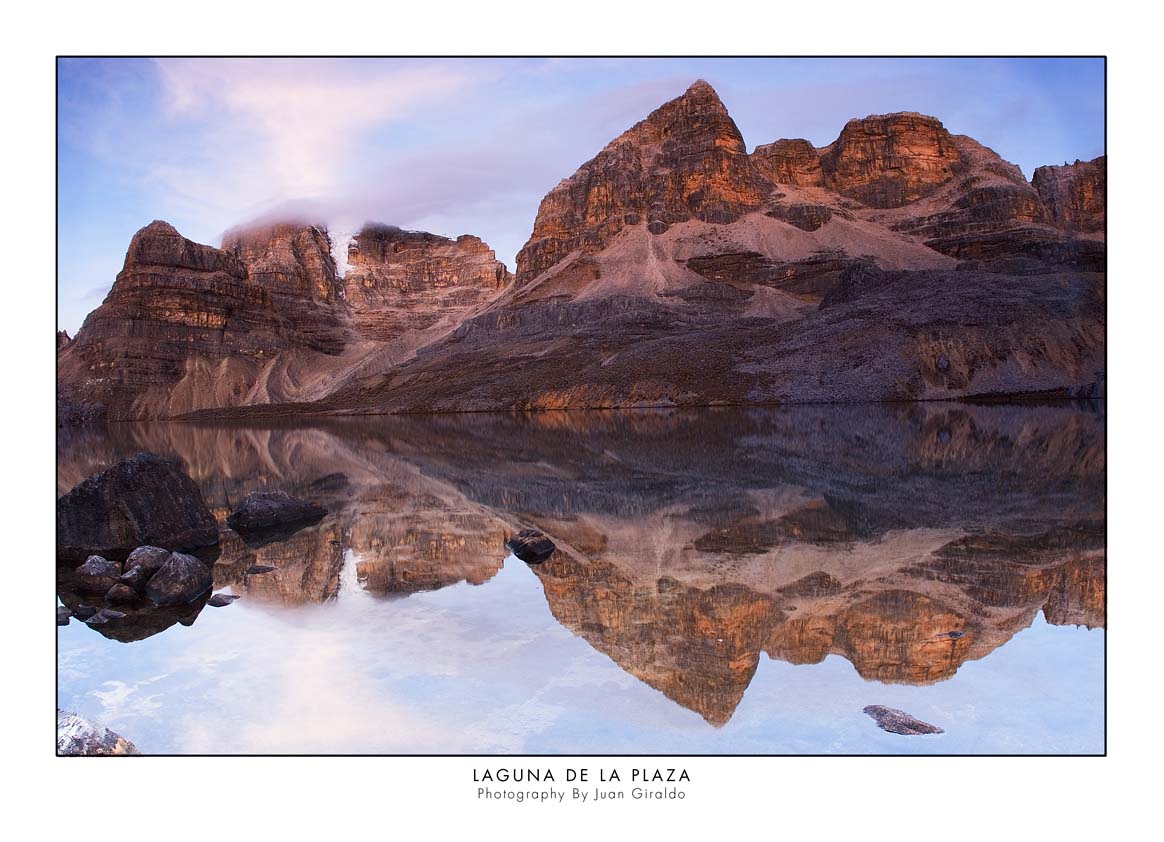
<point x="726" y="582"/>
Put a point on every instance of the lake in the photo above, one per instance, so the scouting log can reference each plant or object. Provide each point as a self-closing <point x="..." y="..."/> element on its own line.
<point x="726" y="582"/>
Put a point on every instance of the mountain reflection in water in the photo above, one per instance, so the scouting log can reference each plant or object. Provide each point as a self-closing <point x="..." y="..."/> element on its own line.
<point x="905" y="539"/>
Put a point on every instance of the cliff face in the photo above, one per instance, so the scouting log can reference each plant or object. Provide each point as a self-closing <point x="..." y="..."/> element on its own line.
<point x="286" y="258"/>
<point x="409" y="280"/>
<point x="887" y="161"/>
<point x="686" y="160"/>
<point x="1075" y="194"/>
<point x="264" y="319"/>
<point x="187" y="326"/>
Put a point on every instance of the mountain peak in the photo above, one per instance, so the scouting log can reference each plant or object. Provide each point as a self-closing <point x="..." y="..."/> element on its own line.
<point x="685" y="160"/>
<point x="701" y="88"/>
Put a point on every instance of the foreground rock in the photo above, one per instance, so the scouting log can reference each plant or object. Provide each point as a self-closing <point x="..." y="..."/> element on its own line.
<point x="263" y="510"/>
<point x="77" y="736"/>
<point x="180" y="580"/>
<point x="97" y="575"/>
<point x="221" y="600"/>
<point x="145" y="499"/>
<point x="531" y="546"/>
<point x="899" y="722"/>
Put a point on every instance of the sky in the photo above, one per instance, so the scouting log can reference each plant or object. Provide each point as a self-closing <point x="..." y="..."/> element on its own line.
<point x="467" y="146"/>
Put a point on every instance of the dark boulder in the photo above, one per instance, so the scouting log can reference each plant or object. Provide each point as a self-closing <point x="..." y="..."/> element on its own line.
<point x="899" y="722"/>
<point x="180" y="580"/>
<point x="97" y="575"/>
<point x="148" y="559"/>
<point x="263" y="510"/>
<point x="137" y="578"/>
<point x="121" y="593"/>
<point x="145" y="499"/>
<point x="83" y="612"/>
<point x="63" y="615"/>
<point x="531" y="546"/>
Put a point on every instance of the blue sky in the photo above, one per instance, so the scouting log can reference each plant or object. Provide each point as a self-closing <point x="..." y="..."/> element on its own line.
<point x="467" y="145"/>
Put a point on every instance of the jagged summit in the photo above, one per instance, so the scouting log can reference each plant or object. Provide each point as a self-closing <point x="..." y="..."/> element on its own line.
<point x="686" y="160"/>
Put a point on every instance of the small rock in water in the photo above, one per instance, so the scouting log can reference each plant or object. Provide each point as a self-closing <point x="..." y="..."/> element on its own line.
<point x="531" y="546"/>
<point x="267" y="509"/>
<point x="259" y="568"/>
<point x="121" y="593"/>
<point x="953" y="635"/>
<point x="63" y="615"/>
<point x="84" y="612"/>
<point x="220" y="600"/>
<point x="104" y="616"/>
<point x="899" y="722"/>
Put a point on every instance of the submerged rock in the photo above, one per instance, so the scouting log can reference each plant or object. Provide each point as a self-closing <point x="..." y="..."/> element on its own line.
<point x="899" y="722"/>
<point x="77" y="736"/>
<point x="145" y="499"/>
<point x="83" y="612"/>
<point x="121" y="593"/>
<point x="271" y="509"/>
<point x="531" y="546"/>
<point x="103" y="616"/>
<point x="63" y="615"/>
<point x="180" y="580"/>
<point x="220" y="600"/>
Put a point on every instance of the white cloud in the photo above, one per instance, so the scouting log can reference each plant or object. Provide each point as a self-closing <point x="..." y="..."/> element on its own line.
<point x="268" y="131"/>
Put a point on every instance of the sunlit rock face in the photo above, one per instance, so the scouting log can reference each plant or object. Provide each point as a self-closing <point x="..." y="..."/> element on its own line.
<point x="686" y="160"/>
<point x="1075" y="194"/>
<point x="188" y="326"/>
<point x="401" y="281"/>
<point x="887" y="161"/>
<point x="286" y="258"/>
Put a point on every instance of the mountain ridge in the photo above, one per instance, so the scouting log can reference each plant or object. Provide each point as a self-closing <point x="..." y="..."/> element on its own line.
<point x="899" y="262"/>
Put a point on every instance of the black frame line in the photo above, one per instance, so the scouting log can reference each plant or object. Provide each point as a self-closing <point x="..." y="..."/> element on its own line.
<point x="586" y="56"/>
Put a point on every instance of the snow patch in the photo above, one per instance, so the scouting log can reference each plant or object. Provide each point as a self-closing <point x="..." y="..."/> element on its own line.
<point x="340" y="241"/>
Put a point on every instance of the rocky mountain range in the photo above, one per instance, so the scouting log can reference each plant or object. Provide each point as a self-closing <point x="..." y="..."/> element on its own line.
<point x="674" y="268"/>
